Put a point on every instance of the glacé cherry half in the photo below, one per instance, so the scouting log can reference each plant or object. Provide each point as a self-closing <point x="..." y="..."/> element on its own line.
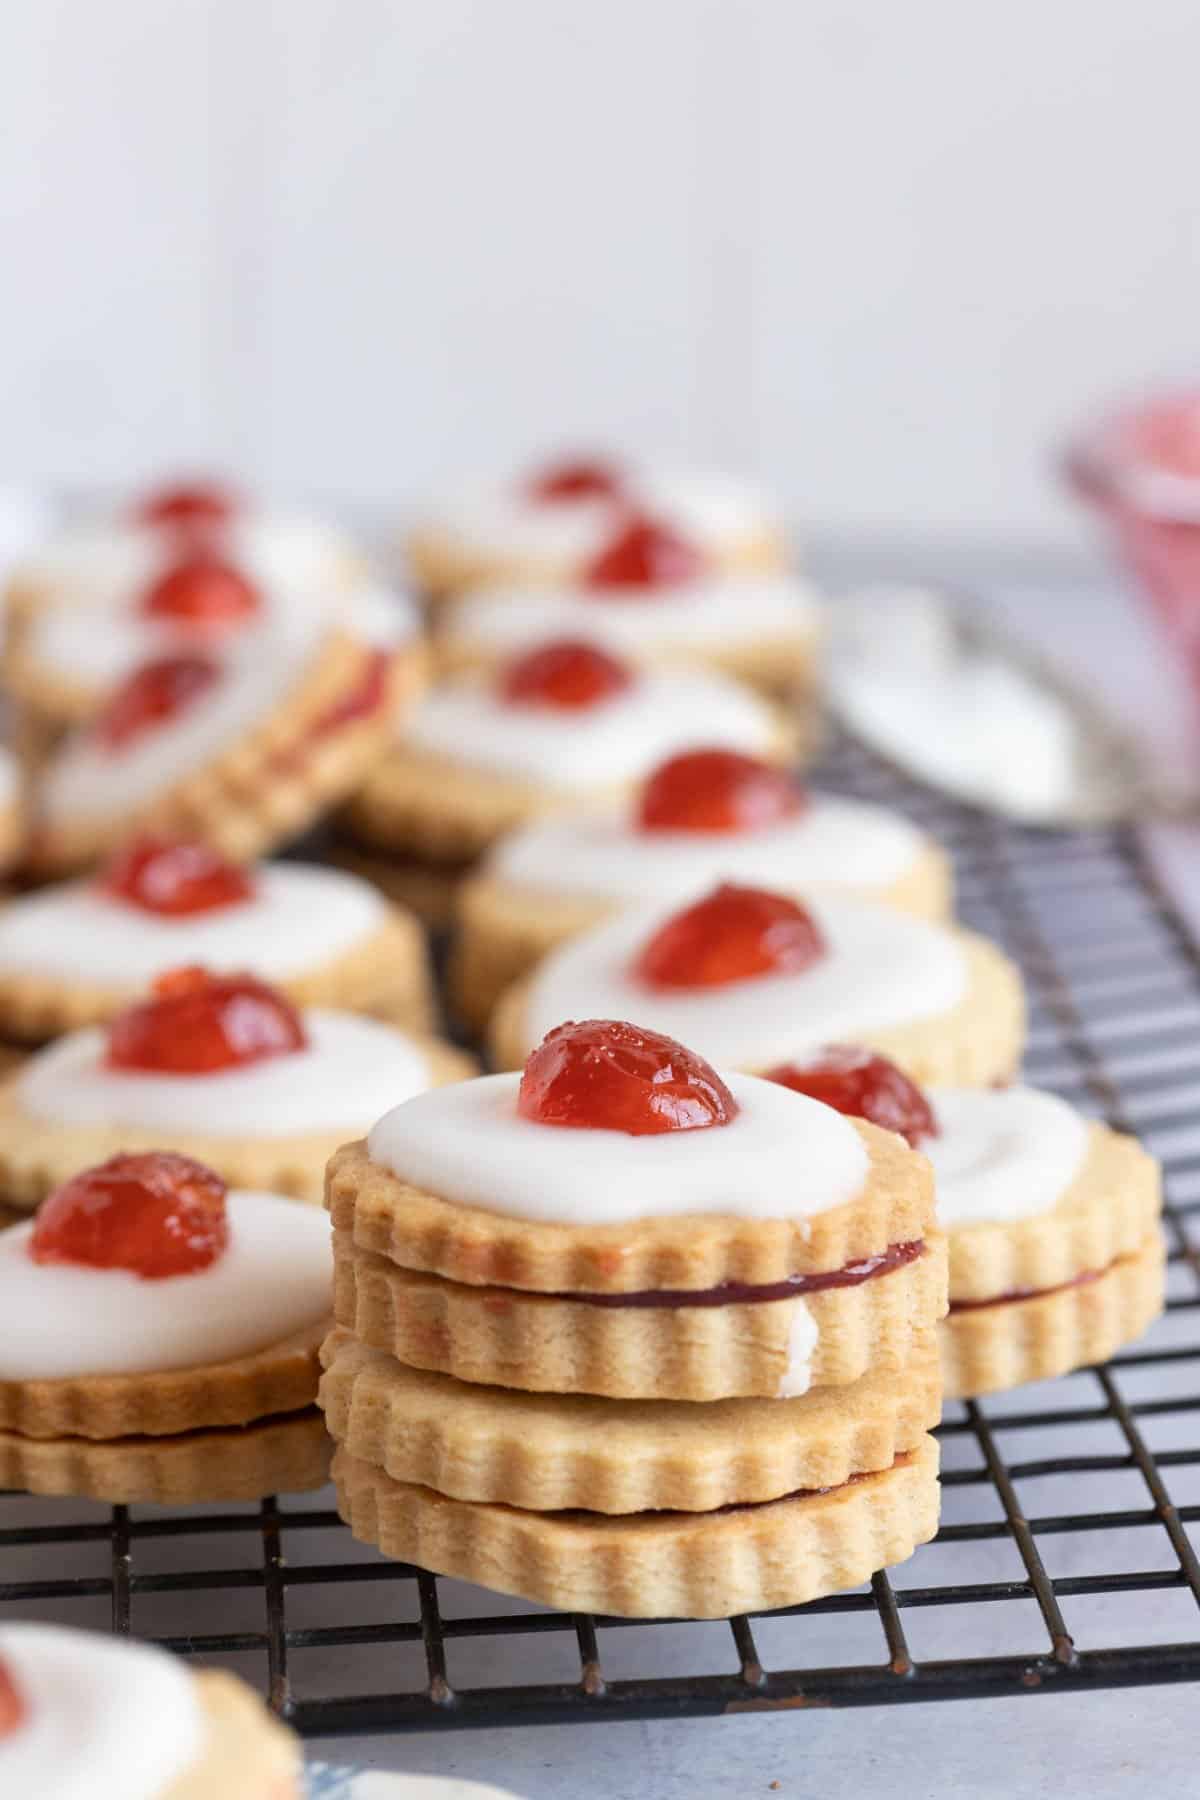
<point x="574" y="478"/>
<point x="717" y="791"/>
<point x="864" y="1085"/>
<point x="607" y="1075"/>
<point x="196" y="1023"/>
<point x="733" y="934"/>
<point x="12" y="1706"/>
<point x="151" y="696"/>
<point x="174" y="877"/>
<point x="644" y="554"/>
<point x="566" y="674"/>
<point x="202" y="591"/>
<point x="184" y="504"/>
<point x="155" y="1214"/>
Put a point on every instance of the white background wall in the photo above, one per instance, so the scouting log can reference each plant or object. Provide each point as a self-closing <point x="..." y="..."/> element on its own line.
<point x="884" y="251"/>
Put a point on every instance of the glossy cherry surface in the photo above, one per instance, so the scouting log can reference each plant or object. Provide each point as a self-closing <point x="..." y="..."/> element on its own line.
<point x="175" y="877"/>
<point x="12" y="1706"/>
<point x="857" y="1081"/>
<point x="198" y="1024"/>
<point x="574" y="478"/>
<point x="717" y="791"/>
<point x="203" y="591"/>
<point x="187" y="503"/>
<point x="606" y="1075"/>
<point x="567" y="674"/>
<point x="644" y="554"/>
<point x="155" y="1214"/>
<point x="733" y="934"/>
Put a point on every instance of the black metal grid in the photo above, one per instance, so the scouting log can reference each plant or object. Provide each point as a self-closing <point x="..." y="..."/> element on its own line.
<point x="1020" y="1592"/>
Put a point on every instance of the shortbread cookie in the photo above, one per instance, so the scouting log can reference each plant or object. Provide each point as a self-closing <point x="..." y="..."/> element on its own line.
<point x="222" y="1068"/>
<point x="77" y="953"/>
<point x="550" y="1452"/>
<point x="12" y="810"/>
<point x="564" y="726"/>
<point x="91" y="1717"/>
<point x="673" y="1344"/>
<point x="702" y="816"/>
<point x="762" y="629"/>
<point x="752" y="978"/>
<point x="243" y="749"/>
<point x="430" y="891"/>
<point x="1053" y="1220"/>
<point x="564" y="521"/>
<point x="654" y="1564"/>
<point x="163" y="1338"/>
<point x="1001" y="1343"/>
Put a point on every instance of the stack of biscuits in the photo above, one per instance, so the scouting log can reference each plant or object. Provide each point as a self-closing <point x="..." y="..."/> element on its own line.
<point x="683" y="1415"/>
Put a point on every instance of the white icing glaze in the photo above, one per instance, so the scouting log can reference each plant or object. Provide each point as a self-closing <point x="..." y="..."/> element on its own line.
<point x="257" y="673"/>
<point x="106" y="1718"/>
<point x="803" y="1333"/>
<point x="272" y="1280"/>
<point x="74" y="642"/>
<point x="700" y="615"/>
<point x="1003" y="1154"/>
<point x="775" y="1160"/>
<point x="974" y="725"/>
<point x="502" y="520"/>
<point x="616" y="740"/>
<point x="299" y="918"/>
<point x="846" y="843"/>
<point x="881" y="969"/>
<point x="352" y="1069"/>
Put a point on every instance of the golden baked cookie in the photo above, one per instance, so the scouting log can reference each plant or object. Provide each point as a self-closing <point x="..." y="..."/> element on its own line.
<point x="77" y="953"/>
<point x="974" y="1038"/>
<point x="244" y="751"/>
<point x="223" y="1069"/>
<point x="426" y="890"/>
<point x="654" y="1564"/>
<point x="703" y="816"/>
<point x="163" y="1338"/>
<point x="520" y="1338"/>
<point x="550" y="1452"/>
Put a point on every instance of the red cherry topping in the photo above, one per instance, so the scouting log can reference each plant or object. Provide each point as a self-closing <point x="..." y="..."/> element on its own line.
<point x="866" y="1086"/>
<point x="717" y="790"/>
<point x="156" y="1214"/>
<point x="12" y="1706"/>
<point x="644" y="554"/>
<point x="202" y="590"/>
<point x="153" y="694"/>
<point x="185" y="504"/>
<point x="566" y="674"/>
<point x="174" y="878"/>
<point x="607" y="1076"/>
<point x="578" y="478"/>
<point x="733" y="934"/>
<point x="197" y="1024"/>
<point x="360" y="700"/>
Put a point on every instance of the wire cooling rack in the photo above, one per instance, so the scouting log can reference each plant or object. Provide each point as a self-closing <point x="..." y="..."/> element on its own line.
<point x="1064" y="1560"/>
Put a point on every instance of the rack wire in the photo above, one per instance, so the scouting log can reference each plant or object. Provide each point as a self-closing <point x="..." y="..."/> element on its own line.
<point x="1065" y="1557"/>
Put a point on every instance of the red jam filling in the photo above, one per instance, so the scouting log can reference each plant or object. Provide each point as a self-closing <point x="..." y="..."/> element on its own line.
<point x="198" y="1024"/>
<point x="156" y="1215"/>
<point x="204" y="591"/>
<point x="744" y="1293"/>
<point x="733" y="934"/>
<point x="1028" y="1293"/>
<point x="363" y="698"/>
<point x="185" y="504"/>
<point x="154" y="694"/>
<point x="175" y="878"/>
<point x="857" y="1081"/>
<point x="717" y="790"/>
<point x="12" y="1706"/>
<point x="644" y="554"/>
<point x="567" y="674"/>
<point x="604" y="1075"/>
<point x="574" y="478"/>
